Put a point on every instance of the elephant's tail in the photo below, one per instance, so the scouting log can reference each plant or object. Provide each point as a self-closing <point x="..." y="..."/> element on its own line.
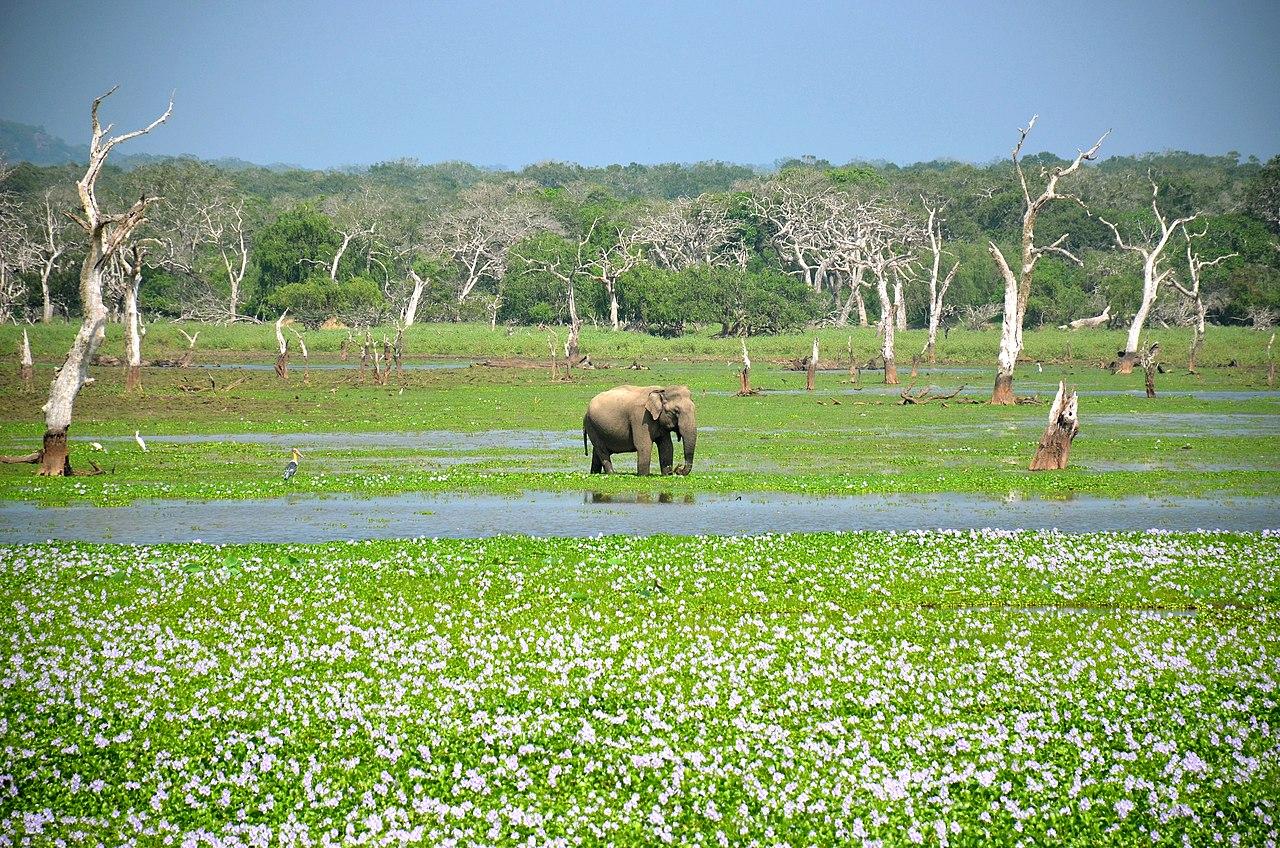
<point x="585" y="452"/>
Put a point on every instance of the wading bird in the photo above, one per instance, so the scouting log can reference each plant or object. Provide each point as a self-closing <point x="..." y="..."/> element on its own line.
<point x="137" y="437"/>
<point x="292" y="468"/>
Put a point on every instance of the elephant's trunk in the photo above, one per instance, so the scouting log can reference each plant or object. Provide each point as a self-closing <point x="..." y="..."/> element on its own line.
<point x="688" y="435"/>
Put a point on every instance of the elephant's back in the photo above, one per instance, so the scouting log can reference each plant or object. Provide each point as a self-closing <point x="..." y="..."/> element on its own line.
<point x="610" y="398"/>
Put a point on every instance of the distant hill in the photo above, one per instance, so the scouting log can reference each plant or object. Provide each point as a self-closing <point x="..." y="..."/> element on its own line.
<point x="27" y="143"/>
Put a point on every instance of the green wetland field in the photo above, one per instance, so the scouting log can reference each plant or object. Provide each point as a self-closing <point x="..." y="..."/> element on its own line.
<point x="918" y="686"/>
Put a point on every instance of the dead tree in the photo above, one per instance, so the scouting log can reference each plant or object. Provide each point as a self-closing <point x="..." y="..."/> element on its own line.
<point x="130" y="262"/>
<point x="282" y="346"/>
<point x="366" y="348"/>
<point x="1152" y="252"/>
<point x="302" y="348"/>
<point x="1148" y="360"/>
<point x="568" y="273"/>
<point x="812" y="369"/>
<point x="689" y="232"/>
<point x="744" y="376"/>
<point x="397" y="351"/>
<point x="53" y="247"/>
<point x="853" y="363"/>
<point x="223" y="222"/>
<point x="479" y="234"/>
<point x="1089" y="323"/>
<point x="551" y="344"/>
<point x="1017" y="287"/>
<point x="189" y="354"/>
<point x="107" y="233"/>
<point x="26" y="368"/>
<point x="1055" y="445"/>
<point x="1271" y="362"/>
<point x="343" y="345"/>
<point x="937" y="289"/>
<point x="1195" y="265"/>
<point x="420" y="284"/>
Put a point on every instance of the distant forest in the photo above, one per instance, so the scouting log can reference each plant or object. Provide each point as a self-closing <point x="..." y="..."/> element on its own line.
<point x="659" y="248"/>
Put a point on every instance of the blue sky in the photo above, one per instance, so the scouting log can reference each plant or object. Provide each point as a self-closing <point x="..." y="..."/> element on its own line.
<point x="326" y="83"/>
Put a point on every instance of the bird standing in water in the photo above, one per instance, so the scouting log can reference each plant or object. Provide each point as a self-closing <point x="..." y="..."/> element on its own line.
<point x="292" y="468"/>
<point x="137" y="437"/>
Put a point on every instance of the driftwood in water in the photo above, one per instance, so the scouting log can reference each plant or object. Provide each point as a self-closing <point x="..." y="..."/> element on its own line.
<point x="906" y="398"/>
<point x="1055" y="445"/>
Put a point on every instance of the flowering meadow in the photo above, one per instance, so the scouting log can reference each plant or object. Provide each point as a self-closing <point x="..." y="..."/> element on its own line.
<point x="936" y="688"/>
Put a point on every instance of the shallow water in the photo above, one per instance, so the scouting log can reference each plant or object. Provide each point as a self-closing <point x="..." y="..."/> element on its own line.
<point x="353" y="365"/>
<point x="314" y="519"/>
<point x="346" y="440"/>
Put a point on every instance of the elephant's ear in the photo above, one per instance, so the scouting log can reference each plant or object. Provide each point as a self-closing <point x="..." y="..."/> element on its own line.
<point x="654" y="404"/>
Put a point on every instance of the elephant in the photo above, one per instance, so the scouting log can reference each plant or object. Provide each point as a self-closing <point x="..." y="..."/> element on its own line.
<point x="633" y="418"/>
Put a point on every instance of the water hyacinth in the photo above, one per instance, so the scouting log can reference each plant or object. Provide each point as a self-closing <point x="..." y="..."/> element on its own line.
<point x="940" y="688"/>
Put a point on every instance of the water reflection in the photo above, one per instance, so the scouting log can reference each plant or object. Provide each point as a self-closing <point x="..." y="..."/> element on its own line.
<point x="636" y="498"/>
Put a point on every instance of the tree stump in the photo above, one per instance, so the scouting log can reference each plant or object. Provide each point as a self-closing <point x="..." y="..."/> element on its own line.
<point x="55" y="461"/>
<point x="1055" y="444"/>
<point x="1125" y="360"/>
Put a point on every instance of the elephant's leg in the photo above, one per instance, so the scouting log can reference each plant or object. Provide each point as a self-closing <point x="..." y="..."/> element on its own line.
<point x="600" y="456"/>
<point x="665" y="453"/>
<point x="644" y="454"/>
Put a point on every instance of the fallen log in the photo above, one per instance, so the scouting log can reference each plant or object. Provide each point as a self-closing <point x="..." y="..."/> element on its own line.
<point x="925" y="395"/>
<point x="1088" y="323"/>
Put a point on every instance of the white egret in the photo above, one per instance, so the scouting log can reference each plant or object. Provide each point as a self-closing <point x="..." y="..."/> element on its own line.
<point x="137" y="437"/>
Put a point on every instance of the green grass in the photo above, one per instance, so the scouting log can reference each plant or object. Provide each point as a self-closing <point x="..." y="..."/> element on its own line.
<point x="1092" y="347"/>
<point x="783" y="440"/>
<point x="809" y="689"/>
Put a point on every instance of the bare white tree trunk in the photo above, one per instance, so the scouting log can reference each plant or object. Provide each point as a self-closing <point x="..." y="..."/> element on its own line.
<point x="132" y="335"/>
<point x="282" y="346"/>
<point x="899" y="305"/>
<point x="411" y="308"/>
<point x="337" y="256"/>
<point x="812" y="370"/>
<point x="613" y="305"/>
<point x="107" y="234"/>
<point x="26" y="368"/>
<point x="887" y="328"/>
<point x="937" y="290"/>
<point x="1195" y="265"/>
<point x="1152" y="276"/>
<point x="52" y="252"/>
<point x="1017" y="288"/>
